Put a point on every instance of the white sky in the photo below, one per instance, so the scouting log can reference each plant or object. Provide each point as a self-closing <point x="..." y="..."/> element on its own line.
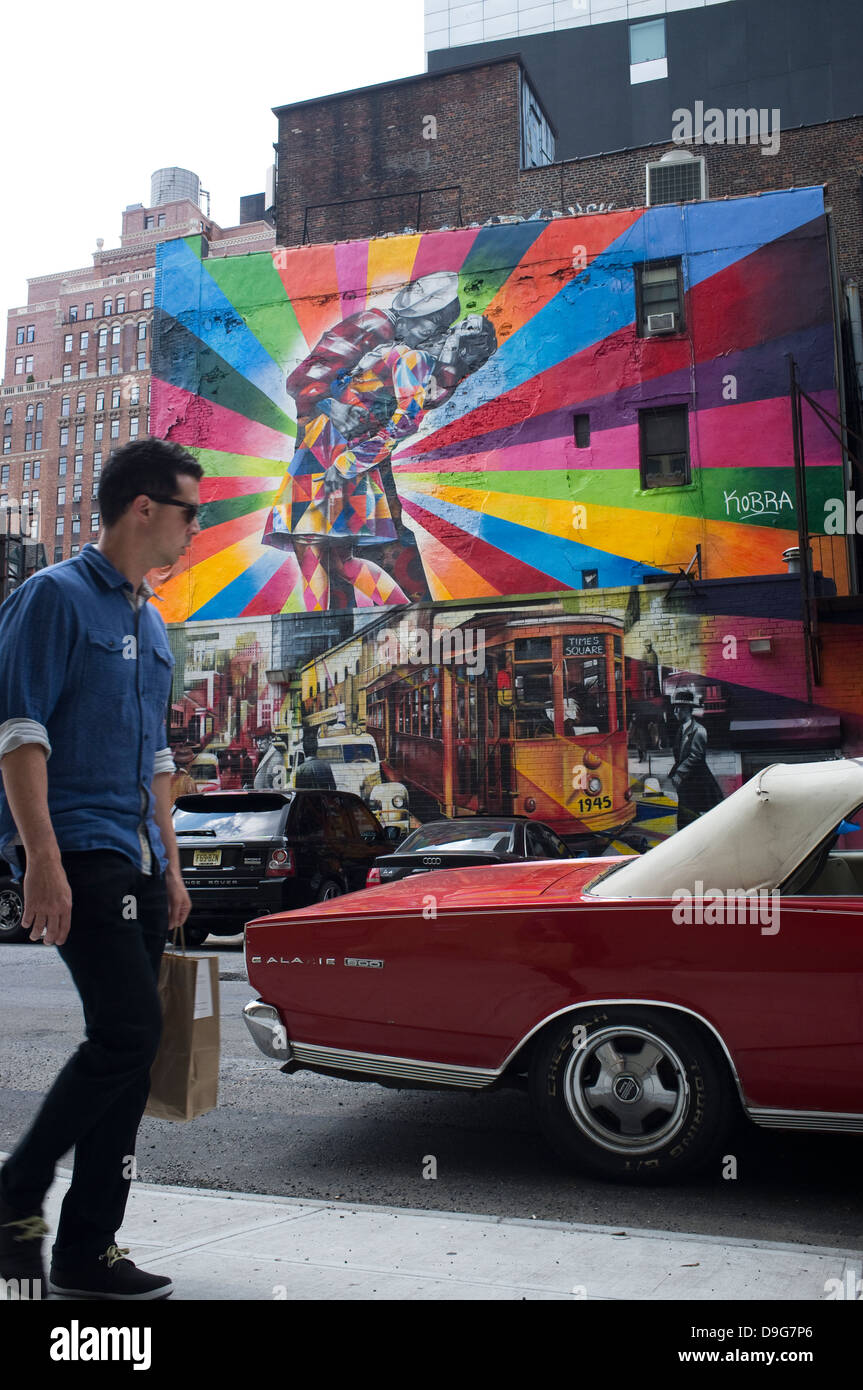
<point x="92" y="100"/>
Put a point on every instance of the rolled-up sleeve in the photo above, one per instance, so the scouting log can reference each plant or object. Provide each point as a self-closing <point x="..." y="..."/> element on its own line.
<point x="164" y="762"/>
<point x="36" y="634"/>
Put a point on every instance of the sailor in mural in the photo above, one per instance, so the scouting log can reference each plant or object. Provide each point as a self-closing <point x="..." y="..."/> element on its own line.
<point x="697" y="788"/>
<point x="367" y="385"/>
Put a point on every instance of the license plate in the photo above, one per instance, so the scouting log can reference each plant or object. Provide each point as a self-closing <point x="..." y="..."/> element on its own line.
<point x="205" y="857"/>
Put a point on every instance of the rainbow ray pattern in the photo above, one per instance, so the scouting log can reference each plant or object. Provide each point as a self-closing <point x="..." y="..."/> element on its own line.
<point x="491" y="487"/>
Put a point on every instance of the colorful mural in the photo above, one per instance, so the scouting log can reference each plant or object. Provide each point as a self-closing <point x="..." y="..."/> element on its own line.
<point x="460" y="415"/>
<point x="615" y="716"/>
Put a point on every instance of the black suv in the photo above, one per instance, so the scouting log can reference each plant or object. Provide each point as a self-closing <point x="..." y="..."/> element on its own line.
<point x="245" y="854"/>
<point x="11" y="906"/>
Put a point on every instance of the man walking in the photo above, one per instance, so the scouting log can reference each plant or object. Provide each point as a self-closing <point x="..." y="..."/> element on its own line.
<point x="85" y="814"/>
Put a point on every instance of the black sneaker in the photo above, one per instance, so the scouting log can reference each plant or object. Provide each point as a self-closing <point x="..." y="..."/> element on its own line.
<point x="21" y="1269"/>
<point x="110" y="1276"/>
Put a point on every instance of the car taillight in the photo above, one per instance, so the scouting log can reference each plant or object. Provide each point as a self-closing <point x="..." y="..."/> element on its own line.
<point x="373" y="876"/>
<point x="281" y="864"/>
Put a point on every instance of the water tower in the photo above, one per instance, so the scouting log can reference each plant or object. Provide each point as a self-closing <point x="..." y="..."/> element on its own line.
<point x="172" y="185"/>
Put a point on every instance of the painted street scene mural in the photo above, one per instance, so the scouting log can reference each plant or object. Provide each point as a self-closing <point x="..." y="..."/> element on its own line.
<point x="615" y="717"/>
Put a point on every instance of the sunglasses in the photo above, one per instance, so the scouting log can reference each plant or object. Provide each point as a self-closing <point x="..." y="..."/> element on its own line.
<point x="190" y="508"/>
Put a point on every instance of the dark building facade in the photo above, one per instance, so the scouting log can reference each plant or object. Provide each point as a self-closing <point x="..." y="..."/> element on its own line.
<point x="799" y="58"/>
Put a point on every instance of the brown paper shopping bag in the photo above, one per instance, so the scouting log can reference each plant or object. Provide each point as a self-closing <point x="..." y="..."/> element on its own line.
<point x="184" y="1080"/>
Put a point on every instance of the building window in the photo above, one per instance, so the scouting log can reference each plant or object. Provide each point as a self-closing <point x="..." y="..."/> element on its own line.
<point x="31" y="332"/>
<point x="103" y="366"/>
<point x="37" y="467"/>
<point x="73" y="313"/>
<point x="26" y="472"/>
<point x="64" y="435"/>
<point x="58" y="554"/>
<point x="103" y="338"/>
<point x="76" y="525"/>
<point x="115" y="429"/>
<point x="75" y="549"/>
<point x="115" y="365"/>
<point x="664" y="434"/>
<point x="161" y="219"/>
<point x="148" y="224"/>
<point x="67" y="371"/>
<point x="88" y="311"/>
<point x="100" y="400"/>
<point x="147" y="300"/>
<point x="19" y="366"/>
<point x="37" y="440"/>
<point x="82" y="370"/>
<point x="97" y="461"/>
<point x="98" y="428"/>
<point x="590" y="579"/>
<point x="7" y="443"/>
<point x="79" y="434"/>
<point x="76" y="492"/>
<point x="7" y="415"/>
<point x="19" y="337"/>
<point x="34" y="499"/>
<point x="85" y="340"/>
<point x="141" y="361"/>
<point x="61" y="495"/>
<point x="29" y="412"/>
<point x="142" y="331"/>
<point x="28" y="440"/>
<point x="121" y="304"/>
<point x="67" y="342"/>
<point x="134" y="395"/>
<point x="659" y="298"/>
<point x="81" y="404"/>
<point x="61" y="466"/>
<point x="79" y="463"/>
<point x="4" y="475"/>
<point x="581" y="431"/>
<point x="40" y="411"/>
<point x="647" y="53"/>
<point x="133" y="427"/>
<point x="94" y="521"/>
<point x="115" y="334"/>
<point x="59" y="526"/>
<point x="107" y="307"/>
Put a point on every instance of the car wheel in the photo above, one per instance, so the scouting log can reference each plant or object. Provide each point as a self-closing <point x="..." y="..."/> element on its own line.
<point x="11" y="912"/>
<point x="194" y="935"/>
<point x="630" y="1094"/>
<point x="327" y="890"/>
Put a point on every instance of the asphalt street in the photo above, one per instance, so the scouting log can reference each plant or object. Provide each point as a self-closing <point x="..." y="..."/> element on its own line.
<point x="313" y="1137"/>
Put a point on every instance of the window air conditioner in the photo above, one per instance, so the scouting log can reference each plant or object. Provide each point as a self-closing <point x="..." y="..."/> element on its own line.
<point x="661" y="323"/>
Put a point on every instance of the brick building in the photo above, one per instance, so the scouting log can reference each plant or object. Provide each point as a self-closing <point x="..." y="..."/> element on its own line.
<point x="77" y="370"/>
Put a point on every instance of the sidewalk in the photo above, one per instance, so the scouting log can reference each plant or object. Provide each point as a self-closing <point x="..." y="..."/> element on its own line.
<point x="217" y="1245"/>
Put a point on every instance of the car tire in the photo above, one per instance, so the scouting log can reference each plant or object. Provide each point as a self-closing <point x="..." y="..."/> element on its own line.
<point x="593" y="1078"/>
<point x="11" y="912"/>
<point x="329" y="889"/>
<point x="194" y="935"/>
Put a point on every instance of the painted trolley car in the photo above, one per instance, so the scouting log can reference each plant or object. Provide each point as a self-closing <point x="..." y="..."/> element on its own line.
<point x="539" y="728"/>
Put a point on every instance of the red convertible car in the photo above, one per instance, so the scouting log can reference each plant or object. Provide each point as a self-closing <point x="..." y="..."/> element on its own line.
<point x="645" y="1002"/>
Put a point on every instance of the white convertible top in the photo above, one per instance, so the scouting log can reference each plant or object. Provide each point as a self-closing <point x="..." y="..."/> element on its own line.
<point x="753" y="839"/>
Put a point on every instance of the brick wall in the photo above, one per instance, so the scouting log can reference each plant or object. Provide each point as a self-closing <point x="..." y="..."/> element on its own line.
<point x="385" y="144"/>
<point x="830" y="154"/>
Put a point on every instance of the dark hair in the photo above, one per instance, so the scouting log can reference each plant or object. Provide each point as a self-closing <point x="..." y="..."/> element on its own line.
<point x="145" y="465"/>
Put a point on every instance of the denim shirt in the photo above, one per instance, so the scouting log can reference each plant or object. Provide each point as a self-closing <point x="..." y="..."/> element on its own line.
<point x="85" y="671"/>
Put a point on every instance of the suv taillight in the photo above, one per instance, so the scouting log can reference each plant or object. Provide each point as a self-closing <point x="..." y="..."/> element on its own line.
<point x="281" y="864"/>
<point x="373" y="877"/>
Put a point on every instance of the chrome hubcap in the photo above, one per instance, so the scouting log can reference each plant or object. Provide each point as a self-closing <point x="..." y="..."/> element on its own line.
<point x="11" y="909"/>
<point x="626" y="1089"/>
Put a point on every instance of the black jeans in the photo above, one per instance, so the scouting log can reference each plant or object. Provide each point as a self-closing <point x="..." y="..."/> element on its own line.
<point x="113" y="950"/>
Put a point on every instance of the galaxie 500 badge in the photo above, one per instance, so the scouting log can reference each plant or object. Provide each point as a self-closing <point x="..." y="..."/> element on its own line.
<point x="316" y="960"/>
